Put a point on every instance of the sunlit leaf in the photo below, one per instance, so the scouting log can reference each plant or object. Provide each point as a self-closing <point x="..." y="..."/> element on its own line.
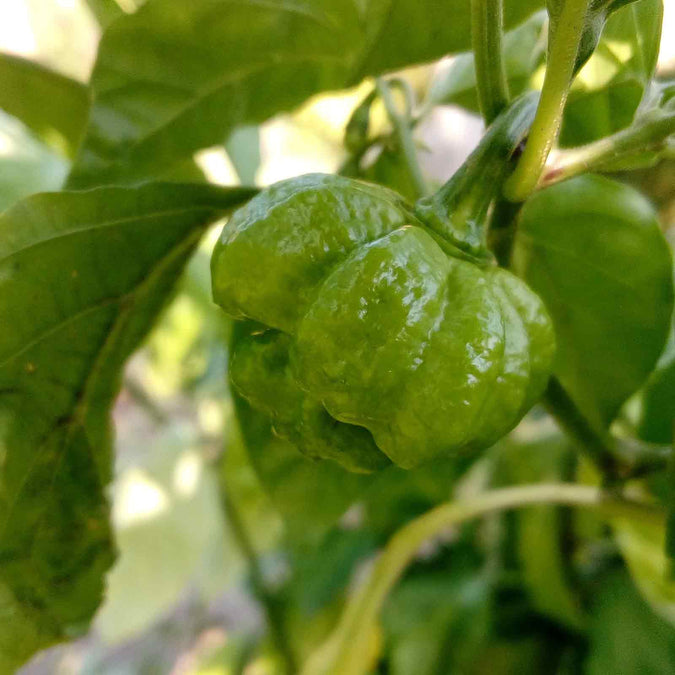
<point x="175" y="77"/>
<point x="607" y="91"/>
<point x="82" y="277"/>
<point x="53" y="106"/>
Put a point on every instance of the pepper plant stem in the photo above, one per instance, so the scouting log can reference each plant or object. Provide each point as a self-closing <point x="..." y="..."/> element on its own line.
<point x="403" y="130"/>
<point x="596" y="447"/>
<point x="560" y="63"/>
<point x="647" y="135"/>
<point x="272" y="610"/>
<point x="487" y="29"/>
<point x="345" y="653"/>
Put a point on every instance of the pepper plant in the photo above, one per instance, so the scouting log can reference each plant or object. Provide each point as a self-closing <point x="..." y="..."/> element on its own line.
<point x="459" y="398"/>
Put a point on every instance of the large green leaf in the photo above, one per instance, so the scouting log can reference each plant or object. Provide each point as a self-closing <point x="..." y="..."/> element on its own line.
<point x="597" y="13"/>
<point x="438" y="622"/>
<point x="626" y="637"/>
<point x="52" y="105"/>
<point x="607" y="91"/>
<point x="657" y="423"/>
<point x="82" y="277"/>
<point x="657" y="414"/>
<point x="593" y="250"/>
<point x="175" y="76"/>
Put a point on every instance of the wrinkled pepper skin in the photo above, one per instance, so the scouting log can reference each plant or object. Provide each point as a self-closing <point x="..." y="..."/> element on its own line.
<point x="374" y="341"/>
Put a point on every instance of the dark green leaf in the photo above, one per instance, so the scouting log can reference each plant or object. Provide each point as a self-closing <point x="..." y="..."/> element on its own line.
<point x="657" y="422"/>
<point x="626" y="637"/>
<point x="593" y="250"/>
<point x="82" y="277"/>
<point x="53" y="106"/>
<point x="607" y="92"/>
<point x="175" y="76"/>
<point x="438" y="622"/>
<point x="398" y="495"/>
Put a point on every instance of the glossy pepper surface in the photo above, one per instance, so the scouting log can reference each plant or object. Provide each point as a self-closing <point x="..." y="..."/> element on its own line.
<point x="373" y="338"/>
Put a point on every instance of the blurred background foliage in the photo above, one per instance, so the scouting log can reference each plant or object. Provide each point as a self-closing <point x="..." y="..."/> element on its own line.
<point x="183" y="597"/>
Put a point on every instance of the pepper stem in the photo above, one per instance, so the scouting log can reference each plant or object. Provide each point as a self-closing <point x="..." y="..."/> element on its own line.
<point x="458" y="211"/>
<point x="487" y="29"/>
<point x="560" y="64"/>
<point x="403" y="130"/>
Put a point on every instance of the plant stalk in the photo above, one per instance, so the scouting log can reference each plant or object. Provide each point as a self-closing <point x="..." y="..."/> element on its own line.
<point x="597" y="448"/>
<point x="560" y="64"/>
<point x="649" y="135"/>
<point x="403" y="130"/>
<point x="269" y="602"/>
<point x="345" y="653"/>
<point x="487" y="31"/>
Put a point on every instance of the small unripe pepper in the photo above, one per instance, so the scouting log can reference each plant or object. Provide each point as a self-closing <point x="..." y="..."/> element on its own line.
<point x="382" y="332"/>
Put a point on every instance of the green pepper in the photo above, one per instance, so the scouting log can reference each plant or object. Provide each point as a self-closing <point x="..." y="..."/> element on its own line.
<point x="383" y="332"/>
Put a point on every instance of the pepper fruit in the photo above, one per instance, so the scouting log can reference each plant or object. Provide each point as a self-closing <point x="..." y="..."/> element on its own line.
<point x="383" y="332"/>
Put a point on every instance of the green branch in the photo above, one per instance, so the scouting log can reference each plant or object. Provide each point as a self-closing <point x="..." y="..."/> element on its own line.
<point x="598" y="448"/>
<point x="403" y="129"/>
<point x="648" y="135"/>
<point x="269" y="602"/>
<point x="487" y="30"/>
<point x="346" y="651"/>
<point x="560" y="63"/>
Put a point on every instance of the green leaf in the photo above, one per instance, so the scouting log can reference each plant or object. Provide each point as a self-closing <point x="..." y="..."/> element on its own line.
<point x="593" y="250"/>
<point x="658" y="406"/>
<point x="82" y="278"/>
<point x="438" y="622"/>
<point x="52" y="105"/>
<point x="597" y="13"/>
<point x="608" y="90"/>
<point x="626" y="637"/>
<point x="27" y="165"/>
<point x="657" y="418"/>
<point x="524" y="51"/>
<point x="399" y="495"/>
<point x="643" y="548"/>
<point x="175" y="77"/>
